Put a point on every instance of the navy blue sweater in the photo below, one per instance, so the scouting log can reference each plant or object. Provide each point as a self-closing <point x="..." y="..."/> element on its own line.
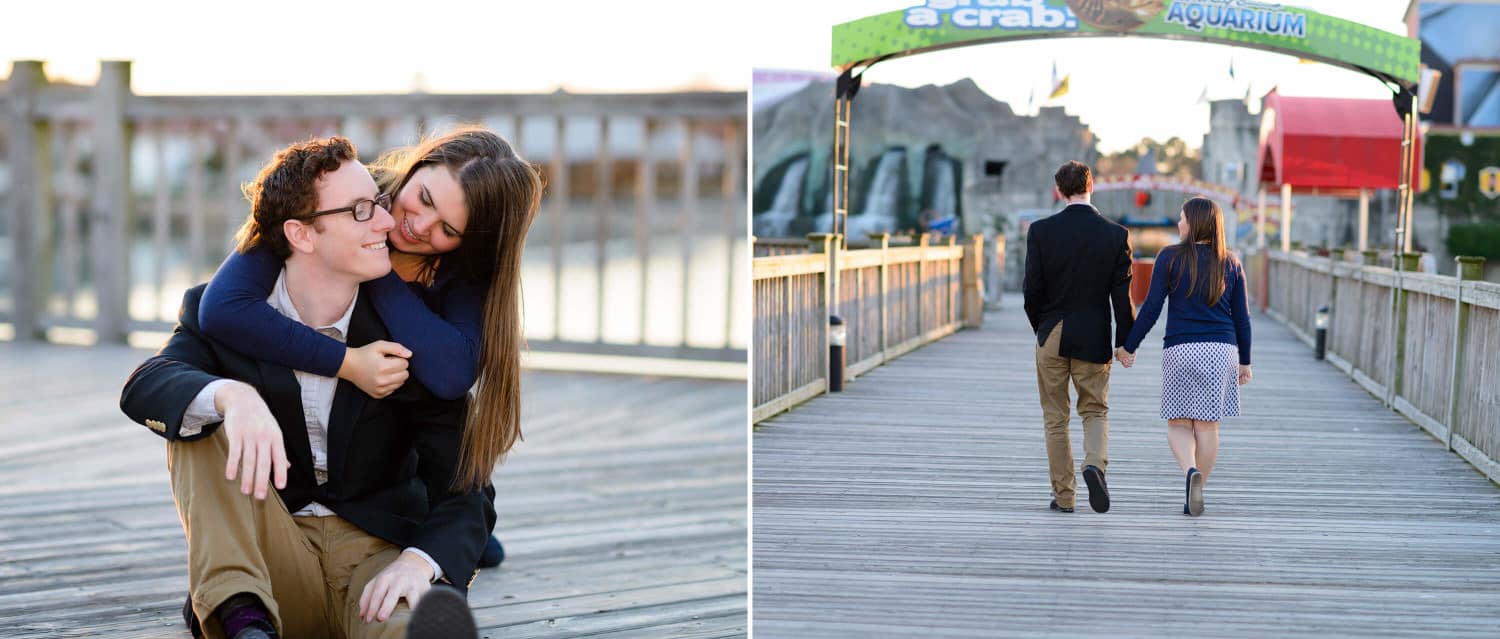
<point x="441" y="324"/>
<point x="1191" y="318"/>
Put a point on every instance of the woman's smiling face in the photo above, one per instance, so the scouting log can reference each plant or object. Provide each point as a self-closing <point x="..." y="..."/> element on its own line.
<point x="430" y="213"/>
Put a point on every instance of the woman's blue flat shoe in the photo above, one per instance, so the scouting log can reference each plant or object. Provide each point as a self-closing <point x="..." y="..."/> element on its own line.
<point x="493" y="553"/>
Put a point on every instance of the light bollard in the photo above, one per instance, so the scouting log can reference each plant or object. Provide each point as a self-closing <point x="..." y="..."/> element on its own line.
<point x="837" y="333"/>
<point x="1320" y="322"/>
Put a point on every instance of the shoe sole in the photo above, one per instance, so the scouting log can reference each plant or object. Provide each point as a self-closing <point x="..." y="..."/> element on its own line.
<point x="442" y="613"/>
<point x="1098" y="492"/>
<point x="1195" y="494"/>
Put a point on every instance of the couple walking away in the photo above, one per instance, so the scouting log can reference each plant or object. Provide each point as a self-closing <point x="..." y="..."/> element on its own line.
<point x="1078" y="266"/>
<point x="322" y="492"/>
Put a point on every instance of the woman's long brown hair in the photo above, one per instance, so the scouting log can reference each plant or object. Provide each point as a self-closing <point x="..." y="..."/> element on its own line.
<point x="503" y="193"/>
<point x="1205" y="224"/>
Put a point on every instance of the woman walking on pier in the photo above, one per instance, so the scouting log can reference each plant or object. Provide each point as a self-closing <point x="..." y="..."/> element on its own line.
<point x="1207" y="344"/>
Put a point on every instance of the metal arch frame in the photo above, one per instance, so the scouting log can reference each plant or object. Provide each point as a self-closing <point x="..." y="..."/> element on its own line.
<point x="845" y="88"/>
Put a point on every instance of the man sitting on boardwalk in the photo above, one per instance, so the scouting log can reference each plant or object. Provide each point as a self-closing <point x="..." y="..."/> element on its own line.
<point x="362" y="516"/>
<point x="1077" y="266"/>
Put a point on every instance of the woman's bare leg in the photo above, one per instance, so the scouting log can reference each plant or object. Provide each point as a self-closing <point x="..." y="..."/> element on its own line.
<point x="1206" y="436"/>
<point x="1180" y="438"/>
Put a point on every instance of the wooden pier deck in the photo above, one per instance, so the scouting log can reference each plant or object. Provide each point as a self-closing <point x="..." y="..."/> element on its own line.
<point x="915" y="504"/>
<point x="623" y="513"/>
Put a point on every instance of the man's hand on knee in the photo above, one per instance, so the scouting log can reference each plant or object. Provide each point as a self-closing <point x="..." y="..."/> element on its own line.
<point x="408" y="577"/>
<point x="257" y="453"/>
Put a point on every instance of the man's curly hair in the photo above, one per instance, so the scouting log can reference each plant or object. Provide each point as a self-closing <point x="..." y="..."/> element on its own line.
<point x="286" y="188"/>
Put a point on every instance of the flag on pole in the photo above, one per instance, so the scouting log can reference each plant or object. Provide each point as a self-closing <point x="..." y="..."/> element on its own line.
<point x="1031" y="100"/>
<point x="1203" y="97"/>
<point x="1231" y="68"/>
<point x="1059" y="87"/>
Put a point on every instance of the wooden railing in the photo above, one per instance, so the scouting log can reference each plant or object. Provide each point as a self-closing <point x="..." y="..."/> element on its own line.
<point x="1428" y="345"/>
<point x="993" y="268"/>
<point x="639" y="249"/>
<point x="892" y="300"/>
<point x="772" y="247"/>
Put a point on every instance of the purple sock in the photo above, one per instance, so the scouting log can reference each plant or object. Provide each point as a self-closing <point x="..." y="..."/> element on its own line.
<point x="241" y="612"/>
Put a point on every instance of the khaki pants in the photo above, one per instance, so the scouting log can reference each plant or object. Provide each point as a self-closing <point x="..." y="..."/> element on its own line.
<point x="1092" y="382"/>
<point x="308" y="571"/>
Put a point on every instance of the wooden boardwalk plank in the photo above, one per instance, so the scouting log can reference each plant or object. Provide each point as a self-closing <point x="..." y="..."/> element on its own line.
<point x="623" y="512"/>
<point x="915" y="504"/>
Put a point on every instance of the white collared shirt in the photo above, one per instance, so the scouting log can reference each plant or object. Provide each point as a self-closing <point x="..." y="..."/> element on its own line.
<point x="317" y="391"/>
<point x="317" y="403"/>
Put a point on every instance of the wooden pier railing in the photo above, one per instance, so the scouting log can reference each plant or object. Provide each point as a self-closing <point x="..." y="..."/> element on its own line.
<point x="994" y="275"/>
<point x="1428" y="345"/>
<point x="112" y="204"/>
<point x="892" y="300"/>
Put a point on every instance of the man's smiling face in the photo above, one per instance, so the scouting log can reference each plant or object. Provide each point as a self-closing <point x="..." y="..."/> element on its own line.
<point x="342" y="244"/>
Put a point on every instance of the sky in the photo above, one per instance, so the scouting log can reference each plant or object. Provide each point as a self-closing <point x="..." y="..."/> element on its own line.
<point x="1123" y="88"/>
<point x="381" y="46"/>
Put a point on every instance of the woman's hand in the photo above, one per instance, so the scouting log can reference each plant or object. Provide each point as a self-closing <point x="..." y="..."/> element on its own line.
<point x="1126" y="359"/>
<point x="377" y="368"/>
<point x="1244" y="374"/>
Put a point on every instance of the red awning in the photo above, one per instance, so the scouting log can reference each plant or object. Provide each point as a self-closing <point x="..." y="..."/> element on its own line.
<point x="1330" y="146"/>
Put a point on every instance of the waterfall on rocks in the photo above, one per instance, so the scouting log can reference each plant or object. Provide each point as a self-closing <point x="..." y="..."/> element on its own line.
<point x="943" y="203"/>
<point x="777" y="220"/>
<point x="880" y="206"/>
<point x="879" y="214"/>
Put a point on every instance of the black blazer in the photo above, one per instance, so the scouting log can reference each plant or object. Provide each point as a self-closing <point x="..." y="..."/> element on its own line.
<point x="390" y="461"/>
<point x="1077" y="266"/>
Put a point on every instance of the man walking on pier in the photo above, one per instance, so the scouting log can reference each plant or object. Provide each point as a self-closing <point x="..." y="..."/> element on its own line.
<point x="1077" y="267"/>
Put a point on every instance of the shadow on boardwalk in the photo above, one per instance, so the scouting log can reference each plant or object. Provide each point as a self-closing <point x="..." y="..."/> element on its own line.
<point x="623" y="512"/>
<point x="915" y="504"/>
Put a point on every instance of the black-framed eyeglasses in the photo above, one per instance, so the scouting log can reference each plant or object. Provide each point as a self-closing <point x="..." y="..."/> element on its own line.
<point x="363" y="209"/>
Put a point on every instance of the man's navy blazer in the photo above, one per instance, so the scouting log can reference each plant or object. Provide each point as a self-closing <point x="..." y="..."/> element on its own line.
<point x="390" y="461"/>
<point x="1077" y="266"/>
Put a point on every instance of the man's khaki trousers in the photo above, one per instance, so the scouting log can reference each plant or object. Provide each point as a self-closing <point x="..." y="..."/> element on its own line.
<point x="308" y="571"/>
<point x="1092" y="383"/>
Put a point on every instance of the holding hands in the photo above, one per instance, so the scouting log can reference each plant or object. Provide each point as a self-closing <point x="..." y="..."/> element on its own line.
<point x="377" y="368"/>
<point x="1127" y="359"/>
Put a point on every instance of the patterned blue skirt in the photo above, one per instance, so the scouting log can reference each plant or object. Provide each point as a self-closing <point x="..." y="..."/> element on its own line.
<point x="1200" y="381"/>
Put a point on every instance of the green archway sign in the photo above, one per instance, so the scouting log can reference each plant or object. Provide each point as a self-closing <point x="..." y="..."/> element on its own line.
<point x="935" y="25"/>
<point x="946" y="24"/>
